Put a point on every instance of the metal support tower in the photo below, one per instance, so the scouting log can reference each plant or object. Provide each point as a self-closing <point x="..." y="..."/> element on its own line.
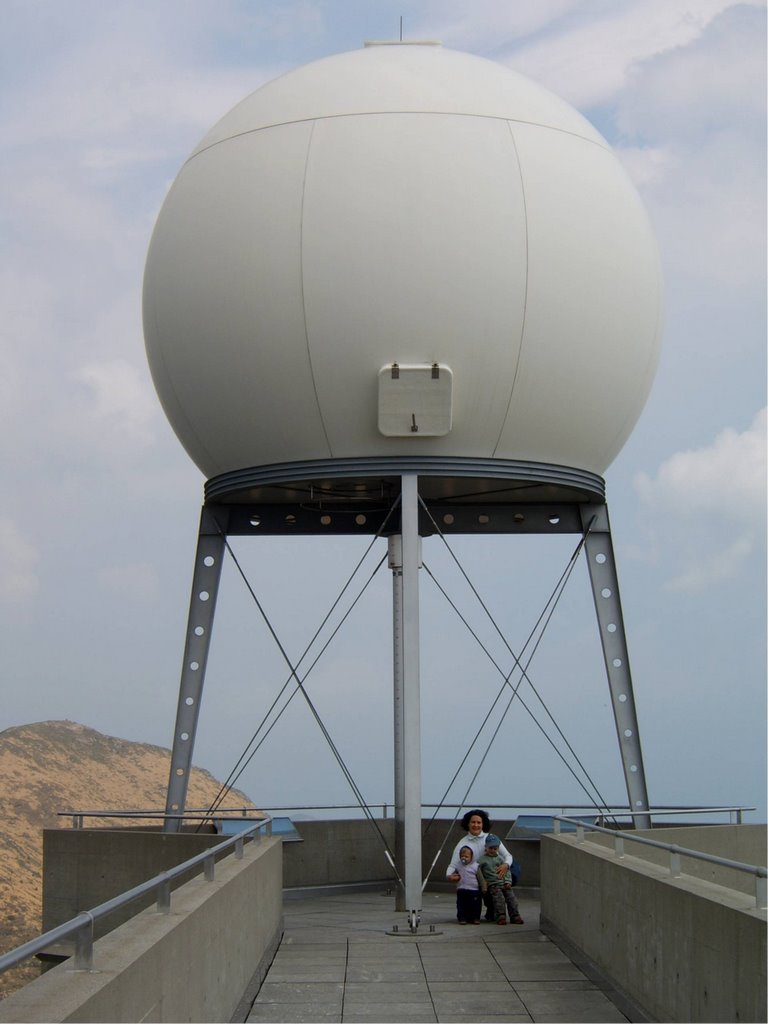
<point x="572" y="512"/>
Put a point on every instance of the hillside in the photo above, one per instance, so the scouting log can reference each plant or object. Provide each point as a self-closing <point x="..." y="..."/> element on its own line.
<point x="48" y="767"/>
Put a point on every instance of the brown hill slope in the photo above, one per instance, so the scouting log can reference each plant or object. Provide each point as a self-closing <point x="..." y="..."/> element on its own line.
<point x="48" y="767"/>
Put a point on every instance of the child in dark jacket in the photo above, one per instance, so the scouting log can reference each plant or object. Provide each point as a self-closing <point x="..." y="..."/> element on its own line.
<point x="500" y="889"/>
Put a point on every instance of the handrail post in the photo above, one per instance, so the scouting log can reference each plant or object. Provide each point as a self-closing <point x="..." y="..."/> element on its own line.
<point x="164" y="897"/>
<point x="761" y="892"/>
<point x="208" y="868"/>
<point x="618" y="846"/>
<point x="84" y="944"/>
<point x="675" y="868"/>
<point x="239" y="849"/>
<point x="579" y="833"/>
<point x="556" y="823"/>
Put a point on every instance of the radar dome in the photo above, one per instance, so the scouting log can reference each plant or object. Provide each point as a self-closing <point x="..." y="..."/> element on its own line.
<point x="402" y="252"/>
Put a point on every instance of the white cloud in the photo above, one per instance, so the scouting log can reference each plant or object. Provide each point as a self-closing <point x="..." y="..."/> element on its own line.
<point x="715" y="566"/>
<point x="129" y="71"/>
<point x="648" y="166"/>
<point x="715" y="82"/>
<point x="481" y="25"/>
<point x="18" y="565"/>
<point x="590" y="58"/>
<point x="120" y="401"/>
<point x="692" y="125"/>
<point x="704" y="511"/>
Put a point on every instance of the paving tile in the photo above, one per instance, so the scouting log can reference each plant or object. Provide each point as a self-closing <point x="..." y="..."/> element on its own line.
<point x="554" y="986"/>
<point x="383" y="950"/>
<point x="478" y="1005"/>
<point x="289" y="945"/>
<point x="489" y="1018"/>
<point x="575" y="1006"/>
<point x="610" y="1016"/>
<point x="383" y="972"/>
<point x="317" y="992"/>
<point x="388" y="1013"/>
<point x="454" y="947"/>
<point x="473" y="957"/>
<point x="309" y="973"/>
<point x="447" y="972"/>
<point x="542" y="972"/>
<point x="478" y="987"/>
<point x="384" y="991"/>
<point x="316" y="949"/>
<point x="530" y="953"/>
<point x="292" y="1013"/>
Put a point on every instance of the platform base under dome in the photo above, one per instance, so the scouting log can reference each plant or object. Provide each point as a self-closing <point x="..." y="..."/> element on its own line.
<point x="350" y="496"/>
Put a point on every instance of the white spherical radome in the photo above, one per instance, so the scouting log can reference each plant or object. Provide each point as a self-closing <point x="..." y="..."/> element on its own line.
<point x="410" y="205"/>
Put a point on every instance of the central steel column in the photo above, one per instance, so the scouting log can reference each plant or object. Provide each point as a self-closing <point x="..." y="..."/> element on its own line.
<point x="404" y="561"/>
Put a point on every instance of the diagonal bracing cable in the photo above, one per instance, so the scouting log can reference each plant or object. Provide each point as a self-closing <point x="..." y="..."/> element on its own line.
<point x="244" y="761"/>
<point x="553" y="600"/>
<point x="495" y="733"/>
<point x="234" y="773"/>
<point x="294" y="675"/>
<point x="228" y="783"/>
<point x="321" y="725"/>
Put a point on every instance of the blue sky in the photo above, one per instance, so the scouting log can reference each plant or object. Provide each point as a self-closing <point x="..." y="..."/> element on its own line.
<point x="101" y="104"/>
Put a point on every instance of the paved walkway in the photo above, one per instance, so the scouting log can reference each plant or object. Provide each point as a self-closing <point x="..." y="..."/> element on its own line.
<point x="337" y="962"/>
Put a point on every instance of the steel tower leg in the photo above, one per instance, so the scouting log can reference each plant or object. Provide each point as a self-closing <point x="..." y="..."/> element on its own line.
<point x="202" y="604"/>
<point x="405" y="589"/>
<point x="605" y="591"/>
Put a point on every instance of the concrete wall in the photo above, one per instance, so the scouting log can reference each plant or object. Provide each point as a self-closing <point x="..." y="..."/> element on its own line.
<point x="194" y="964"/>
<point x="685" y="949"/>
<point x="343" y="852"/>
<point x="745" y="843"/>
<point x="337" y="853"/>
<point x="85" y="867"/>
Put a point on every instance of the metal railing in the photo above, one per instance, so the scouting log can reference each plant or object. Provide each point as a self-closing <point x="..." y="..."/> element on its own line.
<point x="81" y="927"/>
<point x="736" y="812"/>
<point x="199" y="814"/>
<point x="675" y="853"/>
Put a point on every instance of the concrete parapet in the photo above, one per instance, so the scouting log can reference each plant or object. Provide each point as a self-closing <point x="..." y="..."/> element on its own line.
<point x="195" y="963"/>
<point x="684" y="949"/>
<point x="745" y="843"/>
<point x="345" y="852"/>
<point x="338" y="853"/>
<point x="85" y="867"/>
